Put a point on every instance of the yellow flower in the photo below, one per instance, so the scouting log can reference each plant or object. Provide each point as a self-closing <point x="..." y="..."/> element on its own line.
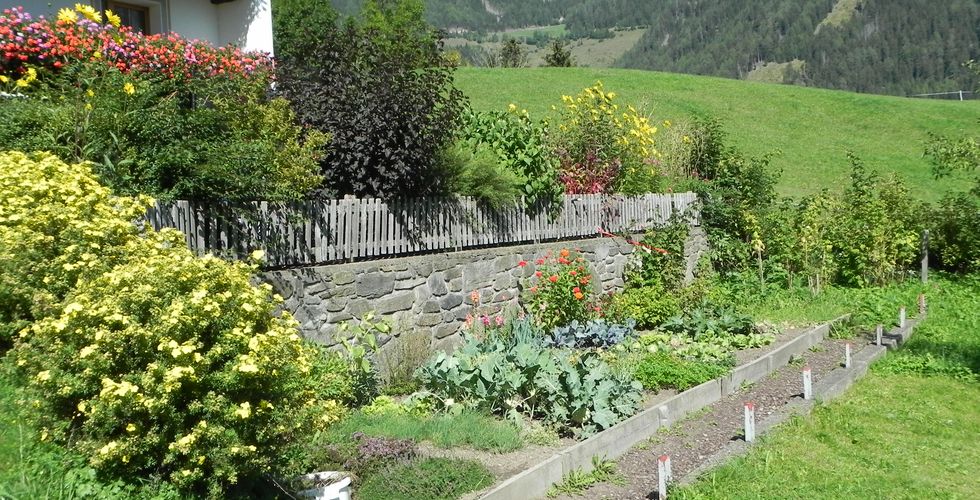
<point x="89" y="12"/>
<point x="67" y="15"/>
<point x="131" y="428"/>
<point x="22" y="83"/>
<point x="113" y="18"/>
<point x="44" y="435"/>
<point x="88" y="107"/>
<point x="105" y="450"/>
<point x="43" y="376"/>
<point x="90" y="93"/>
<point x="129" y="88"/>
<point x="512" y="107"/>
<point x="4" y="79"/>
<point x="244" y="410"/>
<point x="686" y="139"/>
<point x="96" y="55"/>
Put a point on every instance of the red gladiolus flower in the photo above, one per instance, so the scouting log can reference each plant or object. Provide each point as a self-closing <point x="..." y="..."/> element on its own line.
<point x="553" y="278"/>
<point x="539" y="262"/>
<point x="576" y="290"/>
<point x="563" y="260"/>
<point x="537" y="274"/>
<point x="534" y="289"/>
<point x="572" y="273"/>
<point x="522" y="263"/>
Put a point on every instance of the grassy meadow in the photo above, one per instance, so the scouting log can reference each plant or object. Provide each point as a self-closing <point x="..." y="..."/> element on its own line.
<point x="813" y="128"/>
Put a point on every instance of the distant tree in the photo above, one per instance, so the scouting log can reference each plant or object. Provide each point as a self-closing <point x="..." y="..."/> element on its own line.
<point x="510" y="55"/>
<point x="560" y="56"/>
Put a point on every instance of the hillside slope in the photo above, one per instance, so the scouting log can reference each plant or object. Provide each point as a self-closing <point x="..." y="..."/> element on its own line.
<point x="813" y="127"/>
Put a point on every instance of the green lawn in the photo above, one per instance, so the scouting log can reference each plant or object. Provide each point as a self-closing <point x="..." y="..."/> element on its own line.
<point x="812" y="127"/>
<point x="910" y="429"/>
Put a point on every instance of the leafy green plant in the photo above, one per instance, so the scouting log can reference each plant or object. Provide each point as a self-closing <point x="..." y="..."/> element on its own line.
<point x="479" y="173"/>
<point x="520" y="146"/>
<point x="666" y="371"/>
<point x="575" y="391"/>
<point x="594" y="333"/>
<point x="435" y="478"/>
<point x="398" y="360"/>
<point x="577" y="480"/>
<point x="468" y="428"/>
<point x="663" y="270"/>
<point x="648" y="306"/>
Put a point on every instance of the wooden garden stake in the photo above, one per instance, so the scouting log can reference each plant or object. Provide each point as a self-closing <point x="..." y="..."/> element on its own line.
<point x="663" y="475"/>
<point x="749" y="422"/>
<point x="807" y="383"/>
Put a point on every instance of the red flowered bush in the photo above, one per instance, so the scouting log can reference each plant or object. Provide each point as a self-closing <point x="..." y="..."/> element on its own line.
<point x="80" y="36"/>
<point x="560" y="291"/>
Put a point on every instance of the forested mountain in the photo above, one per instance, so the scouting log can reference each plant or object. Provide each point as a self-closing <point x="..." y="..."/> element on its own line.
<point x="879" y="46"/>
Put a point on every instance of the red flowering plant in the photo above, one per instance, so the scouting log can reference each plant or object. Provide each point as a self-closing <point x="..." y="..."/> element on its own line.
<point x="560" y="291"/>
<point x="81" y="35"/>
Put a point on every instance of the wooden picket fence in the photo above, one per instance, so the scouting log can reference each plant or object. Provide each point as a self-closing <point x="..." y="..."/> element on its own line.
<point x="315" y="232"/>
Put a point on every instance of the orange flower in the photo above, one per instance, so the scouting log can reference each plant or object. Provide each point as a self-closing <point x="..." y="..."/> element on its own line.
<point x="475" y="296"/>
<point x="534" y="289"/>
<point x="578" y="296"/>
<point x="572" y="273"/>
<point x="564" y="252"/>
<point x="553" y="278"/>
<point x="584" y="281"/>
<point x="537" y="274"/>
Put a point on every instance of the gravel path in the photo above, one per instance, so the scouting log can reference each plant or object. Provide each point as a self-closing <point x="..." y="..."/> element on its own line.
<point x="702" y="434"/>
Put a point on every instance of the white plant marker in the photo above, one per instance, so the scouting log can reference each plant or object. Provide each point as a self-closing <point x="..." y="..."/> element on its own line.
<point x="847" y="355"/>
<point x="664" y="475"/>
<point x="901" y="317"/>
<point x="749" y="422"/>
<point x="879" y="331"/>
<point x="807" y="383"/>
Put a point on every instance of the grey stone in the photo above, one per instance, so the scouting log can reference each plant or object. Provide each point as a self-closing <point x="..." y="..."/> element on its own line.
<point x="423" y="269"/>
<point x="312" y="300"/>
<point x="339" y="317"/>
<point x="502" y="297"/>
<point x="404" y="275"/>
<point x="335" y="305"/>
<point x="503" y="282"/>
<point x="359" y="307"/>
<point x="505" y="263"/>
<point x="422" y="294"/>
<point x="478" y="274"/>
<point x="450" y="301"/>
<point x="318" y="287"/>
<point x="456" y="285"/>
<point x="399" y="302"/>
<point x="342" y="291"/>
<point x="429" y="319"/>
<point x="437" y="284"/>
<point x="343" y="277"/>
<point x="409" y="283"/>
<point x="445" y="330"/>
<point x="455" y="272"/>
<point x="461" y="313"/>
<point x="374" y="285"/>
<point x="431" y="306"/>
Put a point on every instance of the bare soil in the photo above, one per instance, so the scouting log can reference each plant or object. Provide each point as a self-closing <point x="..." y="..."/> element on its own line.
<point x="696" y="438"/>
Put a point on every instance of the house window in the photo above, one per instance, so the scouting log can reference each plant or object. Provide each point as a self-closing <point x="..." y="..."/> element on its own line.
<point x="134" y="16"/>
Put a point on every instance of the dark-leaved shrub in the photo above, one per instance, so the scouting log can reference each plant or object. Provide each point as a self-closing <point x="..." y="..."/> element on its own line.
<point x="389" y="113"/>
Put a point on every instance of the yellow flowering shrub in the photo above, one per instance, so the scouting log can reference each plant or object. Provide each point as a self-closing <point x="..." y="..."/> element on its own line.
<point x="57" y="225"/>
<point x="158" y="361"/>
<point x="600" y="143"/>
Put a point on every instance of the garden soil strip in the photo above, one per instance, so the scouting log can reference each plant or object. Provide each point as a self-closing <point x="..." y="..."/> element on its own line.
<point x="705" y="432"/>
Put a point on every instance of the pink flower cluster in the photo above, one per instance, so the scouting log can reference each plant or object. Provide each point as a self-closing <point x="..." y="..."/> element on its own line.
<point x="54" y="44"/>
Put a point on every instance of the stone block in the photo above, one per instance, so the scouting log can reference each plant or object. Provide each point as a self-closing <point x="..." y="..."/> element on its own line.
<point x="432" y="319"/>
<point x="339" y="317"/>
<point x="423" y="269"/>
<point x="503" y="282"/>
<point x="444" y="330"/>
<point x="399" y="302"/>
<point x="359" y="307"/>
<point x="450" y="301"/>
<point x="437" y="284"/>
<point x="456" y="285"/>
<point x="343" y="277"/>
<point x="375" y="285"/>
<point x="405" y="275"/>
<point x="431" y="306"/>
<point x="335" y="305"/>
<point x="409" y="284"/>
<point x="453" y="273"/>
<point x="505" y="263"/>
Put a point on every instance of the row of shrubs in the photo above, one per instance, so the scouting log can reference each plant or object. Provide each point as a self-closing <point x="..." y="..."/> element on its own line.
<point x="362" y="106"/>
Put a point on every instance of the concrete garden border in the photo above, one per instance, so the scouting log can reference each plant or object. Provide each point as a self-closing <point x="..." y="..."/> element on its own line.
<point x="615" y="441"/>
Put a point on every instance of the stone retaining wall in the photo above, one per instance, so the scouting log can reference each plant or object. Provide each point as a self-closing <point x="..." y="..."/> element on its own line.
<point x="433" y="291"/>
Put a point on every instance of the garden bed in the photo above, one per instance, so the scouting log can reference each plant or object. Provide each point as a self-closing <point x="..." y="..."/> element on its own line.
<point x="507" y="466"/>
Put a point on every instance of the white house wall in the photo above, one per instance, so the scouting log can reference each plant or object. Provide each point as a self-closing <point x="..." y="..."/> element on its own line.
<point x="246" y="23"/>
<point x="195" y="19"/>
